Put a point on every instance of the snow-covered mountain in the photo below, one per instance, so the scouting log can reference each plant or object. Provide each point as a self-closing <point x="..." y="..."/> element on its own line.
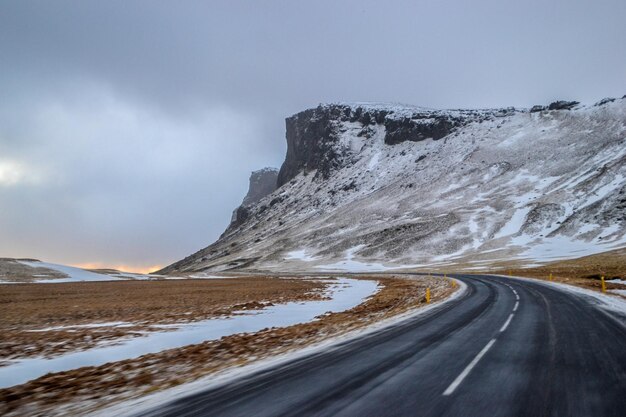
<point x="373" y="186"/>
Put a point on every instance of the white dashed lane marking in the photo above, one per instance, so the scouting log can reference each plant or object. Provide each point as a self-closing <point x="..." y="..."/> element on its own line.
<point x="468" y="368"/>
<point x="506" y="323"/>
<point x="459" y="379"/>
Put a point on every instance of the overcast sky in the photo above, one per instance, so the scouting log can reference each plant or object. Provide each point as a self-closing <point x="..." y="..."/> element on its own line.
<point x="128" y="129"/>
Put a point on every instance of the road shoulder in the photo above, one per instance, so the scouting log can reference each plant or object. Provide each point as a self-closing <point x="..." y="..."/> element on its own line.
<point x="612" y="303"/>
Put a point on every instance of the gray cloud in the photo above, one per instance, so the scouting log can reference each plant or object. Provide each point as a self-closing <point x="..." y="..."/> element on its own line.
<point x="128" y="129"/>
<point x="97" y="177"/>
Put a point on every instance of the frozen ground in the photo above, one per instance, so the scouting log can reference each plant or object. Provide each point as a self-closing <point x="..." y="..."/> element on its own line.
<point x="343" y="294"/>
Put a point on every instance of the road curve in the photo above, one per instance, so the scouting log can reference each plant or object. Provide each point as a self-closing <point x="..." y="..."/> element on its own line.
<point x="505" y="348"/>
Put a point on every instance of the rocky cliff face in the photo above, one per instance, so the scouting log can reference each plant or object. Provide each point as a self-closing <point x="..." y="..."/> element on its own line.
<point x="314" y="135"/>
<point x="262" y="183"/>
<point x="369" y="187"/>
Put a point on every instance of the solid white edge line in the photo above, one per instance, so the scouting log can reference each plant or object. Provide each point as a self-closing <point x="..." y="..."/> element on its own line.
<point x="453" y="386"/>
<point x="516" y="305"/>
<point x="506" y="323"/>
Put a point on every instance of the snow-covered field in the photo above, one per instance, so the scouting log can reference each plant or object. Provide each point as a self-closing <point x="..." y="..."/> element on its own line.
<point x="342" y="295"/>
<point x="73" y="274"/>
<point x="38" y="272"/>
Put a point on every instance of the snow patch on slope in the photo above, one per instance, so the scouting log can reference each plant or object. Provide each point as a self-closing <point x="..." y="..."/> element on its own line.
<point x="349" y="264"/>
<point x="73" y="274"/>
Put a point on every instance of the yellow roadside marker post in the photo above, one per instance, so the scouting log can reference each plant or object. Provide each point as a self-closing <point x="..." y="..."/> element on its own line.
<point x="603" y="284"/>
<point x="510" y="273"/>
<point x="453" y="283"/>
<point x="428" y="295"/>
<point x="550" y="276"/>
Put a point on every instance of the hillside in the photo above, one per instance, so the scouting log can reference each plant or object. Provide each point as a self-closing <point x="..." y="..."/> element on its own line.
<point x="368" y="187"/>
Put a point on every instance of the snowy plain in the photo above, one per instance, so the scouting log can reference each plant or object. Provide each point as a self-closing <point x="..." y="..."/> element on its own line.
<point x="343" y="293"/>
<point x="73" y="274"/>
<point x="76" y="274"/>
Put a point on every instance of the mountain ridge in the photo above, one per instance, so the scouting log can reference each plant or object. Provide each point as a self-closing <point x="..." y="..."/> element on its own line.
<point x="370" y="186"/>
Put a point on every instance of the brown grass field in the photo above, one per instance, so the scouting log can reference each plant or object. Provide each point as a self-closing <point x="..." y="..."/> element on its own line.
<point x="83" y="390"/>
<point x="27" y="308"/>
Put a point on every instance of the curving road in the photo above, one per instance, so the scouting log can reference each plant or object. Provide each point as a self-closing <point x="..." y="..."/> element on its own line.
<point x="506" y="348"/>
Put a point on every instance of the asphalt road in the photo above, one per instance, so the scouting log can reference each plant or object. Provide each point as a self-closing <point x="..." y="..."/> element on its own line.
<point x="506" y="348"/>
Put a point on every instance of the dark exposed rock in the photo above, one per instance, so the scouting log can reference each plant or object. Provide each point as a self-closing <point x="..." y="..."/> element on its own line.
<point x="276" y="200"/>
<point x="348" y="187"/>
<point x="262" y="183"/>
<point x="312" y="137"/>
<point x="542" y="217"/>
<point x="418" y="128"/>
<point x="556" y="105"/>
<point x="537" y="108"/>
<point x="240" y="215"/>
<point x="562" y="105"/>
<point x="604" y="101"/>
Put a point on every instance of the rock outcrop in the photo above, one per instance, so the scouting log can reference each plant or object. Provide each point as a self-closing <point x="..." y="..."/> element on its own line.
<point x="555" y="105"/>
<point x="312" y="135"/>
<point x="262" y="183"/>
<point x="604" y="101"/>
<point x="563" y="105"/>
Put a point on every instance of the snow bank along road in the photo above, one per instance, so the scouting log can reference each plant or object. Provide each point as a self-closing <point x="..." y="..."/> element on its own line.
<point x="505" y="348"/>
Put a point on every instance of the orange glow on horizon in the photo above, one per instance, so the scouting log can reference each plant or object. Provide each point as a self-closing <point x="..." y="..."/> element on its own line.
<point x="137" y="269"/>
